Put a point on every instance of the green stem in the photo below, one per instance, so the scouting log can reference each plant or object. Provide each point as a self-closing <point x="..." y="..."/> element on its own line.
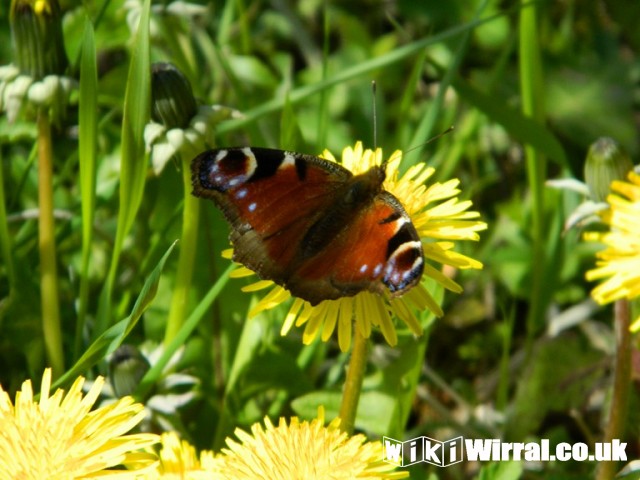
<point x="621" y="385"/>
<point x="5" y="239"/>
<point x="46" y="242"/>
<point x="186" y="260"/>
<point x="532" y="106"/>
<point x="353" y="383"/>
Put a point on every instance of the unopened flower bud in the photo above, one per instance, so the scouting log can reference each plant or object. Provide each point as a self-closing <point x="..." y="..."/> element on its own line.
<point x="126" y="368"/>
<point x="606" y="161"/>
<point x="173" y="104"/>
<point x="36" y="28"/>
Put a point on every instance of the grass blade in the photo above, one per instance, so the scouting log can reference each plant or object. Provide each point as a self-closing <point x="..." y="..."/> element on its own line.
<point x="88" y="126"/>
<point x="133" y="159"/>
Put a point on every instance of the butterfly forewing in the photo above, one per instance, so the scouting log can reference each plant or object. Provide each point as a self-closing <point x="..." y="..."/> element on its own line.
<point x="269" y="197"/>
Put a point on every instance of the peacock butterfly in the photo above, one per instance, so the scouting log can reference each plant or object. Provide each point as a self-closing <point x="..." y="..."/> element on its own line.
<point x="309" y="224"/>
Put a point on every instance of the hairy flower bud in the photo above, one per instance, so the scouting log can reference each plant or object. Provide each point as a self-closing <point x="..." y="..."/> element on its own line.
<point x="606" y="161"/>
<point x="173" y="104"/>
<point x="127" y="366"/>
<point x="36" y="28"/>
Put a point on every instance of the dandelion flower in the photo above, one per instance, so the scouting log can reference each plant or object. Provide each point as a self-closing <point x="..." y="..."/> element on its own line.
<point x="179" y="460"/>
<point x="618" y="265"/>
<point x="439" y="218"/>
<point x="58" y="437"/>
<point x="308" y="450"/>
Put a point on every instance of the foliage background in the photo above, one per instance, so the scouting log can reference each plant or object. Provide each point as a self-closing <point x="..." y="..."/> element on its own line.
<point x="508" y="359"/>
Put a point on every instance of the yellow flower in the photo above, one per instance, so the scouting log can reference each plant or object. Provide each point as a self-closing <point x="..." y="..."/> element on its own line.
<point x="439" y="218"/>
<point x="302" y="450"/>
<point x="619" y="262"/>
<point x="59" y="438"/>
<point x="179" y="460"/>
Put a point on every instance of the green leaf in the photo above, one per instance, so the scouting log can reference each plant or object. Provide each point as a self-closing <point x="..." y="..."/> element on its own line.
<point x="133" y="165"/>
<point x="87" y="136"/>
<point x="556" y="366"/>
<point x="181" y="337"/>
<point x="113" y="337"/>
<point x="273" y="370"/>
<point x="307" y="405"/>
<point x="137" y="101"/>
<point x="501" y="471"/>
<point x="251" y="71"/>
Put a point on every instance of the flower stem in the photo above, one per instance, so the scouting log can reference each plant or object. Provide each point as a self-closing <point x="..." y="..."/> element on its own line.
<point x="353" y="382"/>
<point x="188" y="244"/>
<point x="5" y="239"/>
<point x="46" y="227"/>
<point x="621" y="384"/>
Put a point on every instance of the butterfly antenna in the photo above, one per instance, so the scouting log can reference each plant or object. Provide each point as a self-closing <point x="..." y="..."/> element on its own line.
<point x="432" y="139"/>
<point x="375" y="115"/>
<point x="450" y="129"/>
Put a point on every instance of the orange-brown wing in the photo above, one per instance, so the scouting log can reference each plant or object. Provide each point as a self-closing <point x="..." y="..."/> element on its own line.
<point x="269" y="197"/>
<point x="379" y="249"/>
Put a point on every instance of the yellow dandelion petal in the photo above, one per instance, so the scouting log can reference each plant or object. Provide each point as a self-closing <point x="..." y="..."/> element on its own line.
<point x="441" y="253"/>
<point x="440" y="219"/>
<point x="442" y="279"/>
<point x="292" y="315"/>
<point x="404" y="313"/>
<point x="308" y="450"/>
<point x="363" y="315"/>
<point x="314" y="323"/>
<point x="419" y="173"/>
<point x="330" y="320"/>
<point x="59" y="437"/>
<point x="386" y="324"/>
<point x="327" y="155"/>
<point x="306" y="313"/>
<point x="344" y="323"/>
<point x="272" y="299"/>
<point x="179" y="460"/>
<point x="618" y="265"/>
<point x="242" y="272"/>
<point x="449" y="209"/>
<point x="257" y="286"/>
<point x="422" y="300"/>
<point x="630" y="189"/>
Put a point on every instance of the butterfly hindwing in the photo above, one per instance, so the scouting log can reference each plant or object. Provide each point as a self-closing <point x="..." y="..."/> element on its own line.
<point x="380" y="250"/>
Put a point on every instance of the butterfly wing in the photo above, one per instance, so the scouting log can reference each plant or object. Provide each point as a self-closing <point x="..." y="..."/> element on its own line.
<point x="309" y="225"/>
<point x="379" y="249"/>
<point x="269" y="197"/>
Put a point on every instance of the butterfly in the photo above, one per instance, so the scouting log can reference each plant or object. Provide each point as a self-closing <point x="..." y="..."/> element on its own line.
<point x="309" y="224"/>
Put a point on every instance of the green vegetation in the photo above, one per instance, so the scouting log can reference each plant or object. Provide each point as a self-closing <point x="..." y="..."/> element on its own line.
<point x="522" y="354"/>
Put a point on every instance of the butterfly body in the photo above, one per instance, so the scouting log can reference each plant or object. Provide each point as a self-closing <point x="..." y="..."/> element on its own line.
<point x="309" y="224"/>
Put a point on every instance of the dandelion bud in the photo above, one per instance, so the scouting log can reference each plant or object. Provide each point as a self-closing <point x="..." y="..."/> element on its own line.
<point x="173" y="104"/>
<point x="126" y="368"/>
<point x="606" y="161"/>
<point x="36" y="28"/>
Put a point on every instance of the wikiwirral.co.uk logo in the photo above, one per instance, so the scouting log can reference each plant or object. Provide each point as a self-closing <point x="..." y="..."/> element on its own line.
<point x="422" y="449"/>
<point x="443" y="454"/>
